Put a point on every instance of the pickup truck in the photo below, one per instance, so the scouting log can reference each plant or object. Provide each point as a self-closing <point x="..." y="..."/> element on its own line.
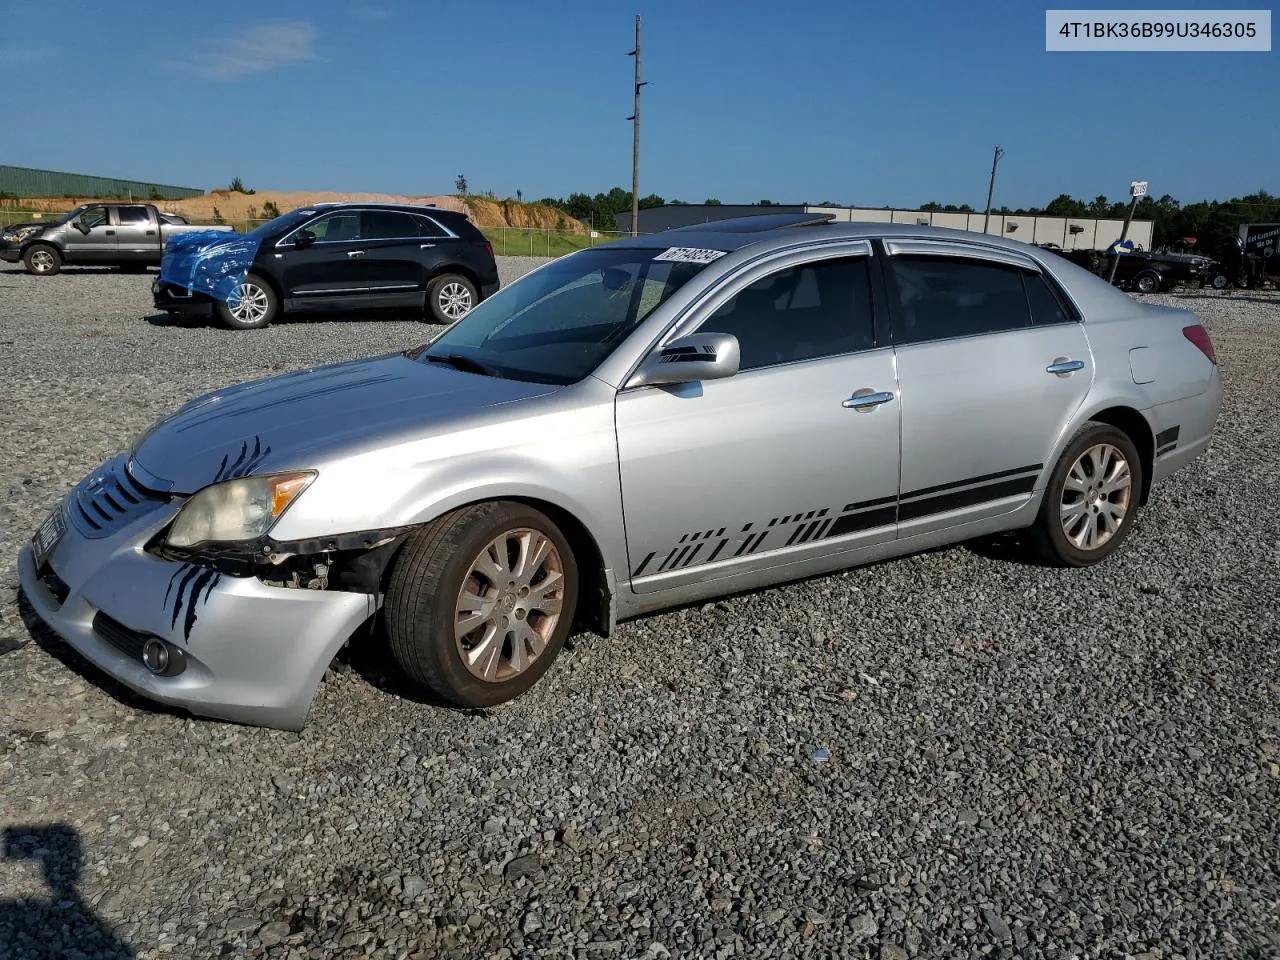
<point x="131" y="236"/>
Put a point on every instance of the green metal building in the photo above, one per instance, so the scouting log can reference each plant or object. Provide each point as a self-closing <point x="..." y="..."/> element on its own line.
<point x="28" y="182"/>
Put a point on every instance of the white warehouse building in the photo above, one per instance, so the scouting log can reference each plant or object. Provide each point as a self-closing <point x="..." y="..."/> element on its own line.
<point x="1069" y="233"/>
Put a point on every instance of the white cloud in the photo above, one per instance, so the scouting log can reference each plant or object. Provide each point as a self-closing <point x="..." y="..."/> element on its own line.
<point x="256" y="48"/>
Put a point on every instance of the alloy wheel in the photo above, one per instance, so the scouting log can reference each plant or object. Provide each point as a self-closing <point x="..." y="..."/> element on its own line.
<point x="510" y="602"/>
<point x="454" y="300"/>
<point x="1096" y="495"/>
<point x="248" y="303"/>
<point x="42" y="261"/>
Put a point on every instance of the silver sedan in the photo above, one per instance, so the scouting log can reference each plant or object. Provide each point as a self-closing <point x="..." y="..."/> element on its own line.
<point x="648" y="423"/>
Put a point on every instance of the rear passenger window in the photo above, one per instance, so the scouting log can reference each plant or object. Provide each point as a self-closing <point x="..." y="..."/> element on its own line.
<point x="1046" y="309"/>
<point x="427" y="227"/>
<point x="388" y="225"/>
<point x="130" y="215"/>
<point x="814" y="310"/>
<point x="938" y="298"/>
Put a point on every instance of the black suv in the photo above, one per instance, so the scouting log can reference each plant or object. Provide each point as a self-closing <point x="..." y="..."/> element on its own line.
<point x="332" y="256"/>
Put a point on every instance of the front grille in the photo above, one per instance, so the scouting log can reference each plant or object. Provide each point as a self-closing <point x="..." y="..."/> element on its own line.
<point x="109" y="498"/>
<point x="128" y="642"/>
<point x="56" y="586"/>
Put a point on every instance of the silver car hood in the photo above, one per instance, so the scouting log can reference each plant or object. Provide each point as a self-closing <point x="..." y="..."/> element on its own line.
<point x="296" y="419"/>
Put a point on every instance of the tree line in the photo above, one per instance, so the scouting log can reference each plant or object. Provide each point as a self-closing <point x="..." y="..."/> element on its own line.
<point x="1213" y="223"/>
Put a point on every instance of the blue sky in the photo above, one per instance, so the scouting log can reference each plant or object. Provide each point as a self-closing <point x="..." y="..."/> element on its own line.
<point x="865" y="103"/>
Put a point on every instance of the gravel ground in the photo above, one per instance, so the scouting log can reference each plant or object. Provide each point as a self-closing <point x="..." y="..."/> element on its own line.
<point x="1023" y="761"/>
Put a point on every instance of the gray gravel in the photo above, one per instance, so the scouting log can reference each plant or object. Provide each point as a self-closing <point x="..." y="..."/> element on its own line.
<point x="1023" y="762"/>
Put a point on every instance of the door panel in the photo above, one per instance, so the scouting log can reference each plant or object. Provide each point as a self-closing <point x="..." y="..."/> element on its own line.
<point x="730" y="471"/>
<point x="981" y="413"/>
<point x="333" y="266"/>
<point x="400" y="251"/>
<point x="98" y="245"/>
<point x="136" y="236"/>
<point x="768" y="466"/>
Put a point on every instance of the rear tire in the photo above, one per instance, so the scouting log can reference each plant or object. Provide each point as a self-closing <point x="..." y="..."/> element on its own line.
<point x="42" y="260"/>
<point x="1091" y="501"/>
<point x="467" y="617"/>
<point x="252" y="306"/>
<point x="1148" y="281"/>
<point x="450" y="297"/>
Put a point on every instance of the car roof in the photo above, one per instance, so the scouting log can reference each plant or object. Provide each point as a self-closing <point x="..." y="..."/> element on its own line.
<point x="785" y="229"/>
<point x="404" y="207"/>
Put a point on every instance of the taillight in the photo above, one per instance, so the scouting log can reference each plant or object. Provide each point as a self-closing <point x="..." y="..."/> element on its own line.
<point x="1200" y="337"/>
<point x="489" y="246"/>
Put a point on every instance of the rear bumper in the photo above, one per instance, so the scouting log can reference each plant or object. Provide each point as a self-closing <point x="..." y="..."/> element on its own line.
<point x="253" y="653"/>
<point x="1184" y="429"/>
<point x="487" y="290"/>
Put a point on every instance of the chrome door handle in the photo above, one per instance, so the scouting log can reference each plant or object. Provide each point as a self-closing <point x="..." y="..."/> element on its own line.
<point x="423" y="246"/>
<point x="1064" y="366"/>
<point x="865" y="401"/>
<point x="355" y="253"/>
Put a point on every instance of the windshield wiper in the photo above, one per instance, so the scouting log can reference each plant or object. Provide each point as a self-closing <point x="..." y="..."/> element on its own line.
<point x="460" y="362"/>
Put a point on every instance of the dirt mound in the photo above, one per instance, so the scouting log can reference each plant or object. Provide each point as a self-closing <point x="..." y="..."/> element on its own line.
<point x="235" y="207"/>
<point x="509" y="213"/>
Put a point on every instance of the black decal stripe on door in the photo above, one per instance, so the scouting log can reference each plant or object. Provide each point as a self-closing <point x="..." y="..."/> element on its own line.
<point x="864" y="504"/>
<point x="958" y="499"/>
<point x="866" y="520"/>
<point x="643" y="563"/>
<point x="986" y="478"/>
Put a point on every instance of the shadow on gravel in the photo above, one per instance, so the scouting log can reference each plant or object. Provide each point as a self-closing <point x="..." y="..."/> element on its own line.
<point x="62" y="924"/>
<point x="368" y="655"/>
<point x="1273" y="299"/>
<point x="49" y="642"/>
<point x="1006" y="548"/>
<point x="307" y="318"/>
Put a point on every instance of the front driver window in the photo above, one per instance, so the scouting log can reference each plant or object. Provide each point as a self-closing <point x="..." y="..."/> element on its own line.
<point x="337" y="227"/>
<point x="813" y="310"/>
<point x="95" y="217"/>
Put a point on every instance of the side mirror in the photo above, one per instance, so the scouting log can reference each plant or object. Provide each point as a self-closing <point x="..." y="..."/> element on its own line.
<point x="303" y="238"/>
<point x="79" y="224"/>
<point x="699" y="356"/>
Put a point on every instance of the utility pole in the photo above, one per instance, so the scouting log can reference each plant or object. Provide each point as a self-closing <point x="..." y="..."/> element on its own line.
<point x="635" y="140"/>
<point x="1136" y="189"/>
<point x="991" y="188"/>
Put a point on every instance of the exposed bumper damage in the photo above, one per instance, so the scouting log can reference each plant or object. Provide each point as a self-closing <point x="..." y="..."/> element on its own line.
<point x="246" y="640"/>
<point x="209" y="264"/>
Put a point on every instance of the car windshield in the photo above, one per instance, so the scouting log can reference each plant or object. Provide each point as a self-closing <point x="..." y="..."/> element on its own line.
<point x="71" y="214"/>
<point x="561" y="322"/>
<point x="283" y="222"/>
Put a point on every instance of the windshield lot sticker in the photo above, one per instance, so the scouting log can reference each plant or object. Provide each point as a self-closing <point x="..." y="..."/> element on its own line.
<point x="689" y="255"/>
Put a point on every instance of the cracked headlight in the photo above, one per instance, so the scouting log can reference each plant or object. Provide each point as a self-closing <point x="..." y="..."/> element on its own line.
<point x="236" y="510"/>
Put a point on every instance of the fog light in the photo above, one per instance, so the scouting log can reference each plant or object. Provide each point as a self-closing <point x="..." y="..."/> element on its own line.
<point x="155" y="654"/>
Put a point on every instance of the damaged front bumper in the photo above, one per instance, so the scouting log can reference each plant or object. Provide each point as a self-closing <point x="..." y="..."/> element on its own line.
<point x="238" y="648"/>
<point x="178" y="299"/>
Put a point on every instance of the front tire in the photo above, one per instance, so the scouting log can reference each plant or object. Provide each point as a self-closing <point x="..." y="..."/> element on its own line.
<point x="42" y="260"/>
<point x="251" y="306"/>
<point x="480" y="602"/>
<point x="1091" y="501"/>
<point x="450" y="297"/>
